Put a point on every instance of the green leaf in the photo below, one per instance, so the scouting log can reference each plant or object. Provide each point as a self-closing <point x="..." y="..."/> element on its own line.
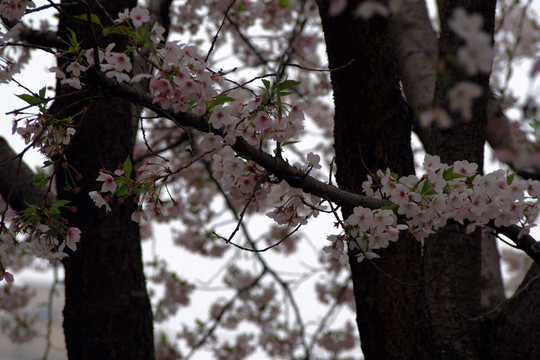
<point x="201" y="323"/>
<point x="128" y="167"/>
<point x="286" y="143"/>
<point x="219" y="100"/>
<point x="163" y="337"/>
<point x="284" y="3"/>
<point x="60" y="203"/>
<point x="93" y="18"/>
<point x="266" y="84"/>
<point x="425" y="187"/>
<point x="55" y="208"/>
<point x="510" y="178"/>
<point x="41" y="179"/>
<point x="122" y="190"/>
<point x="30" y="99"/>
<point x="446" y="175"/>
<point x="42" y="92"/>
<point x="287" y="84"/>
<point x="73" y="39"/>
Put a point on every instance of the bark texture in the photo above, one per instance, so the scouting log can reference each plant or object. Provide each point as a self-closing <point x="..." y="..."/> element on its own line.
<point x="412" y="305"/>
<point x="107" y="313"/>
<point x="372" y="131"/>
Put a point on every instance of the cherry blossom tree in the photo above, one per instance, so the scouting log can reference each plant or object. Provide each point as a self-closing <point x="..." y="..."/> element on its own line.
<point x="193" y="111"/>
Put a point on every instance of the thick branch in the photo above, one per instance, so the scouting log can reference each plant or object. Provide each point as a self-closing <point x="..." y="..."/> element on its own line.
<point x="513" y="328"/>
<point x="526" y="242"/>
<point x="46" y="39"/>
<point x="16" y="180"/>
<point x="285" y="171"/>
<point x="272" y="164"/>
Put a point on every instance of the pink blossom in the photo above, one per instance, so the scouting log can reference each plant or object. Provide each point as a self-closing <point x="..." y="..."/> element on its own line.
<point x="461" y="96"/>
<point x="138" y="215"/>
<point x="313" y="160"/>
<point x="156" y="34"/>
<point x="262" y="121"/>
<point x="14" y="9"/>
<point x="75" y="68"/>
<point x="122" y="16"/>
<point x="221" y="116"/>
<point x="99" y="200"/>
<point x="139" y="15"/>
<point x="108" y="182"/>
<point x="435" y="116"/>
<point x="119" y="61"/>
<point x="66" y="138"/>
<point x="73" y="236"/>
<point x="368" y="9"/>
<point x="336" y="7"/>
<point x="74" y="82"/>
<point x="464" y="25"/>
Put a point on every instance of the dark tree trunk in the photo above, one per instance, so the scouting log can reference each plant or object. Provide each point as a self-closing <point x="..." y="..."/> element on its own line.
<point x="107" y="313"/>
<point x="453" y="258"/>
<point x="372" y="131"/>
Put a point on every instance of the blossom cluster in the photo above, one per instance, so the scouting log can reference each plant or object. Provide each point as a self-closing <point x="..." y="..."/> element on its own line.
<point x="366" y="230"/>
<point x="16" y="322"/>
<point x="47" y="234"/>
<point x="46" y="133"/>
<point x="476" y="54"/>
<point x="446" y="192"/>
<point x="114" y="64"/>
<point x="14" y="9"/>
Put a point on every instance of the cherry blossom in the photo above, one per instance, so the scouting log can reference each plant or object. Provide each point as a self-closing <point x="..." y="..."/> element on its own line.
<point x="108" y="182"/>
<point x="73" y="237"/>
<point x="14" y="9"/>
<point x="156" y="34"/>
<point x="461" y="96"/>
<point x="367" y="9"/>
<point x="139" y="16"/>
<point x="336" y="7"/>
<point x="465" y="25"/>
<point x="436" y="116"/>
<point x="99" y="200"/>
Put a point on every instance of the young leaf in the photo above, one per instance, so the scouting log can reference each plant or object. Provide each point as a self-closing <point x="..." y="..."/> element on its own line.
<point x="287" y="84"/>
<point x="93" y="18"/>
<point x="510" y="178"/>
<point x="219" y="100"/>
<point x="122" y="190"/>
<point x="30" y="99"/>
<point x="266" y="84"/>
<point x="40" y="180"/>
<point x="128" y="167"/>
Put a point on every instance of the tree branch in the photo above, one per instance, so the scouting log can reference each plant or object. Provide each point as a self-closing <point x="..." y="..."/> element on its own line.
<point x="16" y="181"/>
<point x="284" y="171"/>
<point x="516" y="318"/>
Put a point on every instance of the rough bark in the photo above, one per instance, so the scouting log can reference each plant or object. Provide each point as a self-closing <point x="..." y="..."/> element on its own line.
<point x="372" y="131"/>
<point x="513" y="328"/>
<point x="107" y="312"/>
<point x="16" y="181"/>
<point x="452" y="258"/>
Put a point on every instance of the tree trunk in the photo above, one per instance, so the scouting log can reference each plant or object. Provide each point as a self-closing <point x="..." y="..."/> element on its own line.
<point x="107" y="313"/>
<point x="453" y="258"/>
<point x="372" y="131"/>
